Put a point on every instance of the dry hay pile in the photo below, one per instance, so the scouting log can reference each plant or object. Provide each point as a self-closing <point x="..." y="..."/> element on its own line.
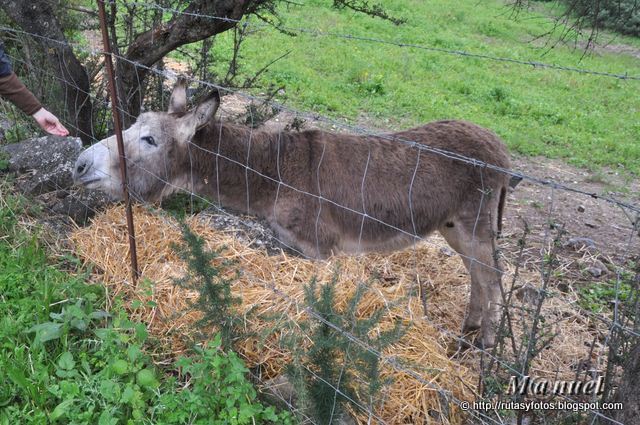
<point x="442" y="276"/>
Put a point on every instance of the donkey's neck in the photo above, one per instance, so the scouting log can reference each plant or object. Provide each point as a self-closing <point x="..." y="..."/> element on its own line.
<point x="233" y="165"/>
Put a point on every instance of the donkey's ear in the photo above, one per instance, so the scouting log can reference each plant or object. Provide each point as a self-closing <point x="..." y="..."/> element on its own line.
<point x="206" y="109"/>
<point x="199" y="117"/>
<point x="178" y="101"/>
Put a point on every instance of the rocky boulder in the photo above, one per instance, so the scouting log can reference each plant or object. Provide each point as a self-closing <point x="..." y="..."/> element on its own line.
<point x="46" y="161"/>
<point x="43" y="166"/>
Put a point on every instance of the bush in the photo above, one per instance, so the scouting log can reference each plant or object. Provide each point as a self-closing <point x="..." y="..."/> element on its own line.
<point x="327" y="375"/>
<point x="622" y="16"/>
<point x="207" y="275"/>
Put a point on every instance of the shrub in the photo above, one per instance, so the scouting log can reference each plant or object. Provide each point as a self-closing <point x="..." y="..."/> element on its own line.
<point x="324" y="373"/>
<point x="622" y="16"/>
<point x="214" y="300"/>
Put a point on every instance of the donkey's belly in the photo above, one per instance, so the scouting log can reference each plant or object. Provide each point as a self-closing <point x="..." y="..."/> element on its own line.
<point x="395" y="242"/>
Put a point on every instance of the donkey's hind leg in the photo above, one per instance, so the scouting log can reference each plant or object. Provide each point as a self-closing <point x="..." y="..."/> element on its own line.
<point x="473" y="238"/>
<point x="473" y="317"/>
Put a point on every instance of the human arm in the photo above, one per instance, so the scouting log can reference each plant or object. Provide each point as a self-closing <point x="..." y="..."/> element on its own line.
<point x="12" y="89"/>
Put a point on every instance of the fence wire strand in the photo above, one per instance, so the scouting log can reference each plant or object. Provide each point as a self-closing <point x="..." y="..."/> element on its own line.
<point x="318" y="33"/>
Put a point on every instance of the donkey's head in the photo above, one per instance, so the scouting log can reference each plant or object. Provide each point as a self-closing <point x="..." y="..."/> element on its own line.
<point x="155" y="147"/>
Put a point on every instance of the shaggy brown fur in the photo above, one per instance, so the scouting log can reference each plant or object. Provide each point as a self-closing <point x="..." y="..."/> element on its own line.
<point x="347" y="179"/>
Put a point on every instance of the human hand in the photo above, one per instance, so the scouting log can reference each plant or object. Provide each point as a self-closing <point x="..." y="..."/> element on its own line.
<point x="49" y="123"/>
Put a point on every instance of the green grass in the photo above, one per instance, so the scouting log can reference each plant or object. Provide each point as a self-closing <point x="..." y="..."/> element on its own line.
<point x="64" y="359"/>
<point x="586" y="120"/>
<point x="598" y="296"/>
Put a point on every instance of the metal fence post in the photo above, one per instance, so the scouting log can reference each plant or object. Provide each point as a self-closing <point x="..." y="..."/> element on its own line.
<point x="135" y="272"/>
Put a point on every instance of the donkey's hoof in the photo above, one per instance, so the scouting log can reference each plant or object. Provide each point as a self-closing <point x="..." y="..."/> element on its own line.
<point x="469" y="338"/>
<point x="468" y="329"/>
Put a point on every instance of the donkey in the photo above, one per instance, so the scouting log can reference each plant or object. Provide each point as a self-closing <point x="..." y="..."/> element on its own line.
<point x="324" y="193"/>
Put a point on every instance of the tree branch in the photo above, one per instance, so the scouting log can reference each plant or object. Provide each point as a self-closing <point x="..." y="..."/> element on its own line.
<point x="199" y="20"/>
<point x="363" y="6"/>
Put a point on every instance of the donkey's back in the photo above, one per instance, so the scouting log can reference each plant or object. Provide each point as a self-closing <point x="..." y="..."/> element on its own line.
<point x="381" y="192"/>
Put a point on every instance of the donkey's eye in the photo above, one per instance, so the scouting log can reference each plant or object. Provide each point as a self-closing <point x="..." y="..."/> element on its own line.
<point x="150" y="140"/>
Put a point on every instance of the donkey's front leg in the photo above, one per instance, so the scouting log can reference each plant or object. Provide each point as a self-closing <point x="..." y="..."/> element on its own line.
<point x="303" y="229"/>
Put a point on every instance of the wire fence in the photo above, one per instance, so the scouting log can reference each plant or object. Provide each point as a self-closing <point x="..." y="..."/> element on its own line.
<point x="523" y="331"/>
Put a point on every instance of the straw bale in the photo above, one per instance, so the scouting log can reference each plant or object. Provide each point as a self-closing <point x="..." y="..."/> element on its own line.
<point x="404" y="283"/>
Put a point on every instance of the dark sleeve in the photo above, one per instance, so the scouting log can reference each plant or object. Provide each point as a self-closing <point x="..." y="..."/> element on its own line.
<point x="12" y="89"/>
<point x="5" y="63"/>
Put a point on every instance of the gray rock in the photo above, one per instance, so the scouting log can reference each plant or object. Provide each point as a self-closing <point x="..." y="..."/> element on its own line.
<point x="281" y="390"/>
<point x="446" y="251"/>
<point x="579" y="243"/>
<point x="600" y="265"/>
<point x="79" y="204"/>
<point x="251" y="230"/>
<point x="46" y="163"/>
<point x="528" y="295"/>
<point x="44" y="167"/>
<point x="594" y="271"/>
<point x="595" y="268"/>
<point x="581" y="208"/>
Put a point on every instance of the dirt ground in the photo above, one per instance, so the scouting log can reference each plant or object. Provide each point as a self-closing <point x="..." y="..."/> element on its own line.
<point x="608" y="225"/>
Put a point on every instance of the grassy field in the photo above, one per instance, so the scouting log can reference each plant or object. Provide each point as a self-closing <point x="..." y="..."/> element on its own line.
<point x="587" y="120"/>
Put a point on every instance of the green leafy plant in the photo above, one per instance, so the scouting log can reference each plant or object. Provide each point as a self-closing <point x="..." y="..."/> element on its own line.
<point x="65" y="360"/>
<point x="4" y="161"/>
<point x="599" y="296"/>
<point x="219" y="392"/>
<point x="215" y="300"/>
<point x="77" y="317"/>
<point x="344" y="347"/>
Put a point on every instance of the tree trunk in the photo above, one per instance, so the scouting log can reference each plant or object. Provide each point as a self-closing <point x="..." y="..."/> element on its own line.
<point x="37" y="17"/>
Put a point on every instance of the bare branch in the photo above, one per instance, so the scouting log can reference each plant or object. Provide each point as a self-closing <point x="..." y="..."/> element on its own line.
<point x="363" y="6"/>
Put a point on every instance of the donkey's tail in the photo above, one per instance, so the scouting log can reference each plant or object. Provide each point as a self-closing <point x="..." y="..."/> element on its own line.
<point x="513" y="182"/>
<point x="501" y="202"/>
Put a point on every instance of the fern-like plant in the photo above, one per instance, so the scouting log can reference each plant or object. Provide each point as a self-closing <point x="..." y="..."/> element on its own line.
<point x="345" y="350"/>
<point x="215" y="299"/>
